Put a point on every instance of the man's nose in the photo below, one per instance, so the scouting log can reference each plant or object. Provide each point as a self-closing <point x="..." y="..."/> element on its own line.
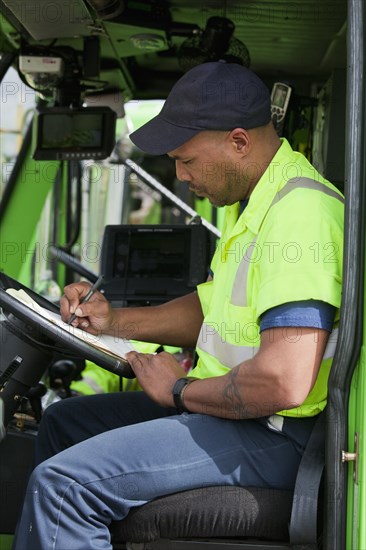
<point x="181" y="172"/>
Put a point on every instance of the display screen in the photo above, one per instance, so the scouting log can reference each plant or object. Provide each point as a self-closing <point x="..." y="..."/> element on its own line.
<point x="61" y="133"/>
<point x="280" y="96"/>
<point x="150" y="255"/>
<point x="153" y="263"/>
<point x="65" y="130"/>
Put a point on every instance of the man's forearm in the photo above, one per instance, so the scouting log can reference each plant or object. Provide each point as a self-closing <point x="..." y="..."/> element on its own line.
<point x="175" y="323"/>
<point x="227" y="397"/>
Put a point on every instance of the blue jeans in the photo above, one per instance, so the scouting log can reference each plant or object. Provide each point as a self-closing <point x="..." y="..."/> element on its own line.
<point x="122" y="450"/>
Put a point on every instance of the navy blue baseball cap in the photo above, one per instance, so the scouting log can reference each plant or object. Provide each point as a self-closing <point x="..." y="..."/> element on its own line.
<point x="211" y="96"/>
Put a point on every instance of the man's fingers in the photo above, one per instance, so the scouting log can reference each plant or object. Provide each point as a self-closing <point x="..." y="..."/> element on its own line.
<point x="72" y="297"/>
<point x="139" y="359"/>
<point x="85" y="310"/>
<point x="135" y="359"/>
<point x="66" y="308"/>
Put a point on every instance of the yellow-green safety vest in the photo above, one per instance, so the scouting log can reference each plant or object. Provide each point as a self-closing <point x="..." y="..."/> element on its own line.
<point x="285" y="247"/>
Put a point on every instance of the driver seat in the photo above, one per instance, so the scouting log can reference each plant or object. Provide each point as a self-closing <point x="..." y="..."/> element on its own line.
<point x="232" y="518"/>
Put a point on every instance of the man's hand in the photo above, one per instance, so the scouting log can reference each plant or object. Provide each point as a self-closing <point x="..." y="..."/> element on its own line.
<point x="94" y="316"/>
<point x="156" y="374"/>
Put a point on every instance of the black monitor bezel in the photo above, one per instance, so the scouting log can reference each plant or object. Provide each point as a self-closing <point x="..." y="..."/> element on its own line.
<point x="160" y="288"/>
<point x="108" y="134"/>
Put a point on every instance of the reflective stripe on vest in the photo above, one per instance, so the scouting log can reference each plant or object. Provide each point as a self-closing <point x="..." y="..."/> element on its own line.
<point x="209" y="339"/>
<point x="92" y="384"/>
<point x="231" y="355"/>
<point x="305" y="183"/>
<point x="238" y="297"/>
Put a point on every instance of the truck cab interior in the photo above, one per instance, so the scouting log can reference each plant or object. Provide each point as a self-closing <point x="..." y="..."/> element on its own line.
<point x="106" y="63"/>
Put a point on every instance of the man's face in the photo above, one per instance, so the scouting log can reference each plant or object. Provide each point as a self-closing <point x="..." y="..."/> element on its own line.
<point x="211" y="168"/>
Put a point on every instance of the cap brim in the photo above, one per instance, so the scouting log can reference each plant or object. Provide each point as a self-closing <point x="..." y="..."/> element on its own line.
<point x="158" y="137"/>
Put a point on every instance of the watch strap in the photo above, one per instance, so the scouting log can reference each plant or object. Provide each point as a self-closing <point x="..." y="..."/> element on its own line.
<point x="178" y="390"/>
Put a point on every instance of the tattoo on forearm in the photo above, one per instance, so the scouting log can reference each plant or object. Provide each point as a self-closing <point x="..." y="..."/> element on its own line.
<point x="232" y="396"/>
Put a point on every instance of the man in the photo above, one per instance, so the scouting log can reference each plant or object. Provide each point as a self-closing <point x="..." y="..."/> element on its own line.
<point x="261" y="326"/>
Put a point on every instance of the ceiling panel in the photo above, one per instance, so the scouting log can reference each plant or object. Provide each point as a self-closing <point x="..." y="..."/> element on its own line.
<point x="280" y="35"/>
<point x="288" y="39"/>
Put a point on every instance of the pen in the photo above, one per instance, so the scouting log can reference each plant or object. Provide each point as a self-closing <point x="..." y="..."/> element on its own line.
<point x="88" y="295"/>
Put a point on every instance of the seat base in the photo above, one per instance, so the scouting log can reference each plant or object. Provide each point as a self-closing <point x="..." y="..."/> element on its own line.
<point x="222" y="511"/>
<point x="204" y="544"/>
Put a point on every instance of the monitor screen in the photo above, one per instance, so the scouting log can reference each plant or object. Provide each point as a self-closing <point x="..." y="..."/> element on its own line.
<point x="150" y="255"/>
<point x="76" y="130"/>
<point x="62" y="133"/>
<point x="147" y="263"/>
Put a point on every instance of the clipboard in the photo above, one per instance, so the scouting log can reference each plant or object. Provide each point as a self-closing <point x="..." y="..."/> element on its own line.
<point x="104" y="350"/>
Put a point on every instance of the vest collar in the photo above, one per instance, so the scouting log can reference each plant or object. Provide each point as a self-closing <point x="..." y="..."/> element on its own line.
<point x="273" y="179"/>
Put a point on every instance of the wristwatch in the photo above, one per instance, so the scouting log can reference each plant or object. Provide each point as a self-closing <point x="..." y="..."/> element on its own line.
<point x="178" y="391"/>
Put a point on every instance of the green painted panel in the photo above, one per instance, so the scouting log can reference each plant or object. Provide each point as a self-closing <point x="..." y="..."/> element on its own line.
<point x="6" y="542"/>
<point x="356" y="507"/>
<point x="18" y="226"/>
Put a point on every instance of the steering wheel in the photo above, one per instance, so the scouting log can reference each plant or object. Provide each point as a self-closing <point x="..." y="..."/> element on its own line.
<point x="30" y="340"/>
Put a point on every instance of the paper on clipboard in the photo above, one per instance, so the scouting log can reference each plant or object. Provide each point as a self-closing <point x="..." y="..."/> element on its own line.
<point x="104" y="342"/>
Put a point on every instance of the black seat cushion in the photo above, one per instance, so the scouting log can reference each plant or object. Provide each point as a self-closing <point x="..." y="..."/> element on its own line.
<point x="209" y="512"/>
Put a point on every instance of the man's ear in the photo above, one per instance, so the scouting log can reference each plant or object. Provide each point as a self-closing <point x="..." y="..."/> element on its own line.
<point x="240" y="140"/>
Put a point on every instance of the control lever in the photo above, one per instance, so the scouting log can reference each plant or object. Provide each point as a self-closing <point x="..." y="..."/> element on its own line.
<point x="34" y="397"/>
<point x="62" y="373"/>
